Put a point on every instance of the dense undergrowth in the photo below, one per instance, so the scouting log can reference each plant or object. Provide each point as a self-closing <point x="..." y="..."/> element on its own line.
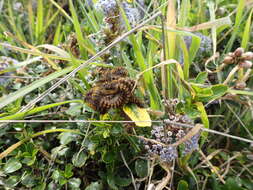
<point x="75" y="74"/>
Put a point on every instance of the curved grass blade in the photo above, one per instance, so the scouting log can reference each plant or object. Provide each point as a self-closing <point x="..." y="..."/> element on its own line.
<point x="37" y="109"/>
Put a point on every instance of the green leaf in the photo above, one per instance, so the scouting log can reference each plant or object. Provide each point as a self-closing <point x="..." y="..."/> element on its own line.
<point x="201" y="78"/>
<point x="56" y="175"/>
<point x="12" y="181"/>
<point x="12" y="165"/>
<point x="95" y="186"/>
<point x="66" y="138"/>
<point x="247" y="183"/>
<point x="218" y="91"/>
<point x="74" y="183"/>
<point x="182" y="185"/>
<point x="201" y="92"/>
<point x="109" y="157"/>
<point x="231" y="184"/>
<point x="25" y="90"/>
<point x="68" y="171"/>
<point x="122" y="182"/>
<point x="141" y="168"/>
<point x="40" y="187"/>
<point x="111" y="182"/>
<point x="79" y="159"/>
<point x="74" y="110"/>
<point x="28" y="181"/>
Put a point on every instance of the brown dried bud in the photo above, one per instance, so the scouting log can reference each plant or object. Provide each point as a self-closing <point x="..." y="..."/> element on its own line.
<point x="238" y="52"/>
<point x="231" y="54"/>
<point x="247" y="55"/>
<point x="228" y="60"/>
<point x="245" y="64"/>
<point x="240" y="85"/>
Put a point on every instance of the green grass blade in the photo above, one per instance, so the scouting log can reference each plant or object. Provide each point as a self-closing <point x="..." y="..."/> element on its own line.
<point x="213" y="30"/>
<point x="62" y="10"/>
<point x="37" y="110"/>
<point x="238" y="19"/>
<point x="184" y="12"/>
<point x="39" y="21"/>
<point x="13" y="23"/>
<point x="57" y="35"/>
<point x="31" y="20"/>
<point x="246" y="33"/>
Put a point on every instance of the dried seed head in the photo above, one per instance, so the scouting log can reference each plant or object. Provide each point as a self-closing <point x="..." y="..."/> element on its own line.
<point x="245" y="64"/>
<point x="240" y="85"/>
<point x="238" y="52"/>
<point x="247" y="55"/>
<point x="228" y="60"/>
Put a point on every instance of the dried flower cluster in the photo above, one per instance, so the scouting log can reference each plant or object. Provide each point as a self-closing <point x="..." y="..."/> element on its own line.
<point x="71" y="45"/>
<point x="243" y="59"/>
<point x="114" y="21"/>
<point x="113" y="90"/>
<point x="170" y="134"/>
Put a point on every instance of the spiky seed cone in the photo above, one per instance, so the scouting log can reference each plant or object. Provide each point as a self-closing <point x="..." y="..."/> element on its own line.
<point x="245" y="64"/>
<point x="238" y="52"/>
<point x="228" y="60"/>
<point x="247" y="55"/>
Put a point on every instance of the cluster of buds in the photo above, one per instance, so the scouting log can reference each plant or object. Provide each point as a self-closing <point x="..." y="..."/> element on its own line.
<point x="243" y="59"/>
<point x="169" y="134"/>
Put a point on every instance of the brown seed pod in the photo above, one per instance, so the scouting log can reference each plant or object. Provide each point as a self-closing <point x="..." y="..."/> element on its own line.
<point x="245" y="64"/>
<point x="228" y="60"/>
<point x="231" y="54"/>
<point x="238" y="52"/>
<point x="247" y="55"/>
<point x="240" y="85"/>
